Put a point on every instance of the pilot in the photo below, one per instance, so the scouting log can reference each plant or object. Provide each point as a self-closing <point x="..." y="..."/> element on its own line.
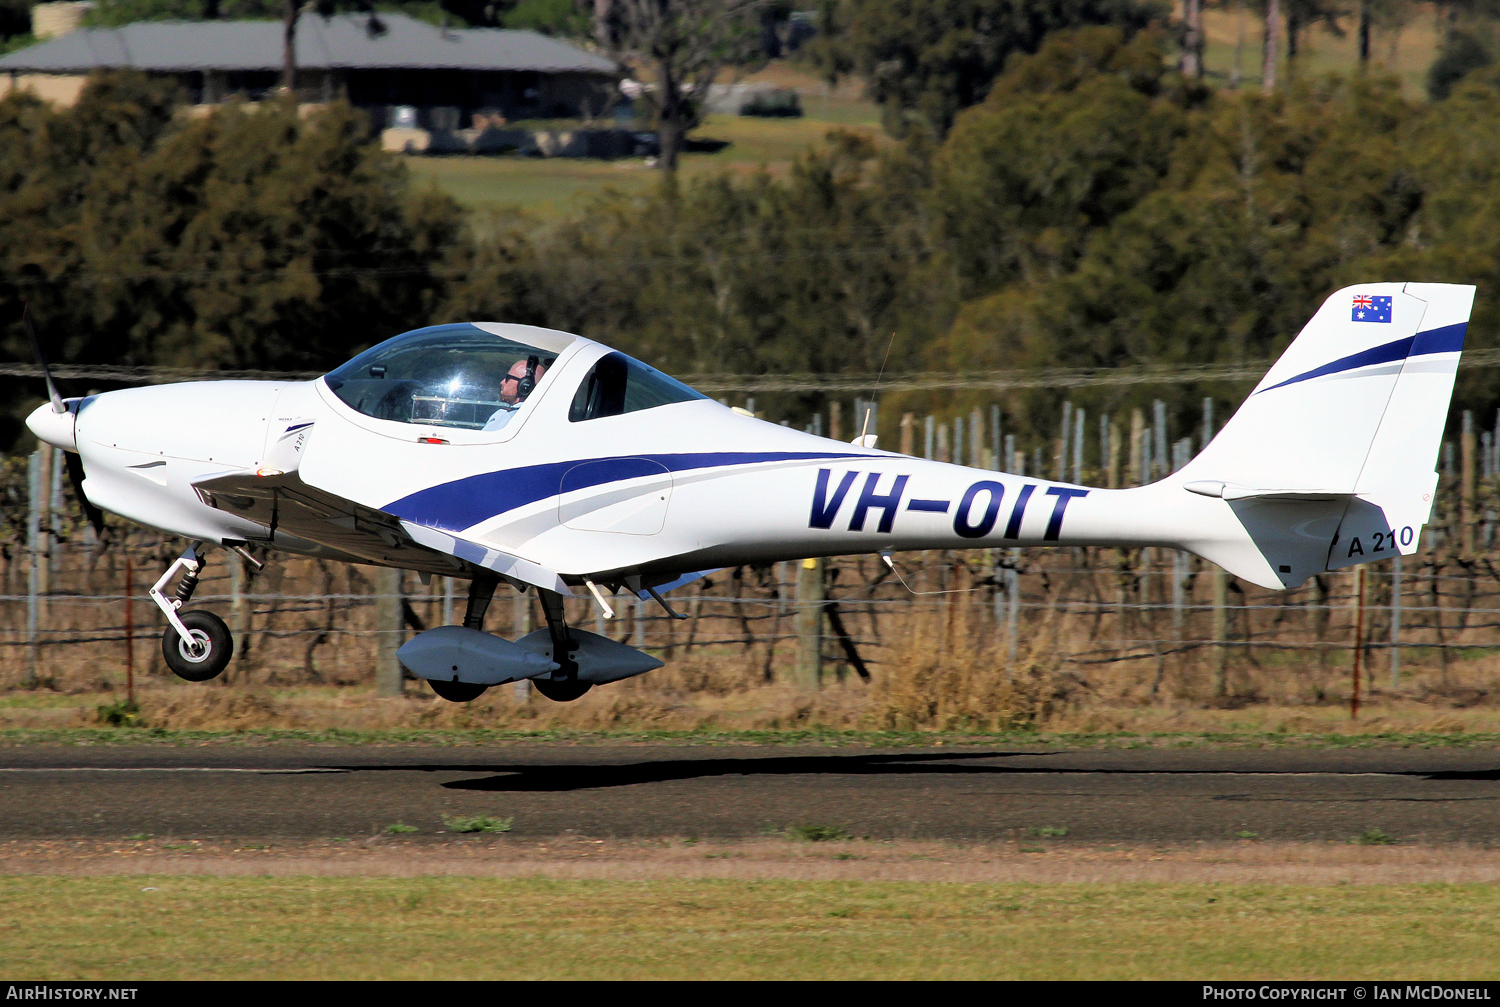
<point x="514" y="387"/>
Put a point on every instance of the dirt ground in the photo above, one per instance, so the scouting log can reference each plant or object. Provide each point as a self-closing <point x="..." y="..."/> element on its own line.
<point x="1030" y="861"/>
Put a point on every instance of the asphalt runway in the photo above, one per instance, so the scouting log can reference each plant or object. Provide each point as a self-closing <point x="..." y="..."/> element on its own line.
<point x="1140" y="795"/>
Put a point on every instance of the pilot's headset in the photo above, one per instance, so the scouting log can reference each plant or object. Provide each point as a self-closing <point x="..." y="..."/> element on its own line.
<point x="527" y="384"/>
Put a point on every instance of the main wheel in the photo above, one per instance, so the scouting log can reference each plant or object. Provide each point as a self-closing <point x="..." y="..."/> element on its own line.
<point x="209" y="652"/>
<point x="457" y="692"/>
<point x="561" y="690"/>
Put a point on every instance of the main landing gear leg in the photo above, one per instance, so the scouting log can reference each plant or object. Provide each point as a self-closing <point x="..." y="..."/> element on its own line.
<point x="481" y="590"/>
<point x="563" y="686"/>
<point x="196" y="645"/>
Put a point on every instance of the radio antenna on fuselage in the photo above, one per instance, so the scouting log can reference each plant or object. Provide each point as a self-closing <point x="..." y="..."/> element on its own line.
<point x="875" y="392"/>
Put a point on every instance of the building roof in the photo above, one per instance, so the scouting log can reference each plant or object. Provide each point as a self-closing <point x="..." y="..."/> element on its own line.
<point x="338" y="42"/>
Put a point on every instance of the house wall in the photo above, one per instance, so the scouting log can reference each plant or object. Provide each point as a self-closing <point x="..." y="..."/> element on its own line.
<point x="58" y="88"/>
<point x="49" y="20"/>
<point x="515" y="95"/>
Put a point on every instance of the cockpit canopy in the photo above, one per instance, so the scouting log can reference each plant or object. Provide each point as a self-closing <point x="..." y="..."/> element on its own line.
<point x="445" y="376"/>
<point x="618" y="384"/>
<point x="470" y="377"/>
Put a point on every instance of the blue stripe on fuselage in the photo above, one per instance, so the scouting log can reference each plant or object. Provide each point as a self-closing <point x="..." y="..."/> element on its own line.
<point x="1448" y="339"/>
<point x="463" y="503"/>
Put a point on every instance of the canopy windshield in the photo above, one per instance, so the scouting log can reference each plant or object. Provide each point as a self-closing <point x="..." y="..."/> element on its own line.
<point x="446" y="376"/>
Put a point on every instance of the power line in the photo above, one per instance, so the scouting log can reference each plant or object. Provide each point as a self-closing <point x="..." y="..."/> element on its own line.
<point x="150" y="375"/>
<point x="1048" y="377"/>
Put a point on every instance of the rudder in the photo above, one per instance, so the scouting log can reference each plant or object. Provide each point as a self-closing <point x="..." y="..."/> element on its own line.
<point x="1330" y="461"/>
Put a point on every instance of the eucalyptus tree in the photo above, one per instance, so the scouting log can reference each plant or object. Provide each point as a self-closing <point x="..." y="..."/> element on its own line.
<point x="681" y="45"/>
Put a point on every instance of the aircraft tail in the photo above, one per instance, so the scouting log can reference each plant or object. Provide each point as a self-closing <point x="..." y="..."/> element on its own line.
<point x="1331" y="461"/>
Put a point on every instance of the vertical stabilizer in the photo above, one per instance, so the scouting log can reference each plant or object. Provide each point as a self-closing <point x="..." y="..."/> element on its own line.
<point x="1397" y="483"/>
<point x="1331" y="460"/>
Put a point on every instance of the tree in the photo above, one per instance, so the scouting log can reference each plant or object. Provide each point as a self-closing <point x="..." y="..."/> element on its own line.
<point x="827" y="51"/>
<point x="1301" y="14"/>
<point x="926" y="60"/>
<point x="15" y="18"/>
<point x="1191" y="61"/>
<point x="327" y="8"/>
<point x="1066" y="141"/>
<point x="1268" y="51"/>
<point x="550" y="17"/>
<point x="242" y="238"/>
<point x="1462" y="53"/>
<point x="113" y="13"/>
<point x="681" y="45"/>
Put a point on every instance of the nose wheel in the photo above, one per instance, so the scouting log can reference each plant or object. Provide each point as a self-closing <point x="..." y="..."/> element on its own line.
<point x="196" y="645"/>
<point x="204" y="652"/>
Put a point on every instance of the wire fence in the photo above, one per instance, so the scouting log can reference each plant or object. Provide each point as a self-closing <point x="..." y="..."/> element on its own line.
<point x="1049" y="377"/>
<point x="1140" y="621"/>
<point x="74" y="611"/>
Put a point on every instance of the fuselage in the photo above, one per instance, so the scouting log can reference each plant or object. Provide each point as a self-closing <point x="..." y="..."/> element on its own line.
<point x="655" y="492"/>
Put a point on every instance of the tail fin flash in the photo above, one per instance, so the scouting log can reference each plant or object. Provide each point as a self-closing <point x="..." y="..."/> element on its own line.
<point x="1331" y="460"/>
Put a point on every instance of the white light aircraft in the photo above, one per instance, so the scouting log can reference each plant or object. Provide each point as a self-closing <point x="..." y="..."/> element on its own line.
<point x="507" y="453"/>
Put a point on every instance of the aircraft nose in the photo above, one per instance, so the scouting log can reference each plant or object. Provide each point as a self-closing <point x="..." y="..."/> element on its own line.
<point x="56" y="429"/>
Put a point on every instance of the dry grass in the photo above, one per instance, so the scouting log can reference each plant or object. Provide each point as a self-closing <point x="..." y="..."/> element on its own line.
<point x="174" y="927"/>
<point x="945" y="674"/>
<point x="1405" y="49"/>
<point x="1098" y="652"/>
<point x="923" y="687"/>
<point x="1021" y="860"/>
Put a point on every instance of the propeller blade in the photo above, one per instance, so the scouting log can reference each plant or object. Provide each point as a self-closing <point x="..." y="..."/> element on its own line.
<point x="36" y="347"/>
<point x="75" y="475"/>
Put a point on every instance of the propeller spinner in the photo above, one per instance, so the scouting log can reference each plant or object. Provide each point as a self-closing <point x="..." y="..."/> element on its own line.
<point x="55" y="426"/>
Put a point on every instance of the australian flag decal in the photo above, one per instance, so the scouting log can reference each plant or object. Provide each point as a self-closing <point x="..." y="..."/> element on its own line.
<point x="1370" y="309"/>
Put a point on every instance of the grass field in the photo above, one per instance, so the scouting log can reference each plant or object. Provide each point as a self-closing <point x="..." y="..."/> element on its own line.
<point x="175" y="712"/>
<point x="549" y="188"/>
<point x="1234" y="36"/>
<point x="124" y="928"/>
<point x="554" y="187"/>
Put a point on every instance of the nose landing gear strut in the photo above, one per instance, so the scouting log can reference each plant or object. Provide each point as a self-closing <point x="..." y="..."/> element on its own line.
<point x="196" y="645"/>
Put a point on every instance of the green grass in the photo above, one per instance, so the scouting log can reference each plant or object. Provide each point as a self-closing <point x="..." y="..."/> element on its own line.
<point x="550" y="188"/>
<point x="484" y="928"/>
<point x="121" y="713"/>
<point x="1407" y="55"/>
<point x="1375" y="837"/>
<point x="478" y="823"/>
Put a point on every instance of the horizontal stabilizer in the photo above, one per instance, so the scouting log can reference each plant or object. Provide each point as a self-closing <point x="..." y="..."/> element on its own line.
<point x="1331" y="460"/>
<point x="1229" y="491"/>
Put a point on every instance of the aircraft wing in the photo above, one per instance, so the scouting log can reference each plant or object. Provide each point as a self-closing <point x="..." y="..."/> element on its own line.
<point x="487" y="556"/>
<point x="304" y="518"/>
<point x="297" y="516"/>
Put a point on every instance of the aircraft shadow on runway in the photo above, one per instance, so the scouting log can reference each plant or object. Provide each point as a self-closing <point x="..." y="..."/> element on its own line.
<point x="562" y="778"/>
